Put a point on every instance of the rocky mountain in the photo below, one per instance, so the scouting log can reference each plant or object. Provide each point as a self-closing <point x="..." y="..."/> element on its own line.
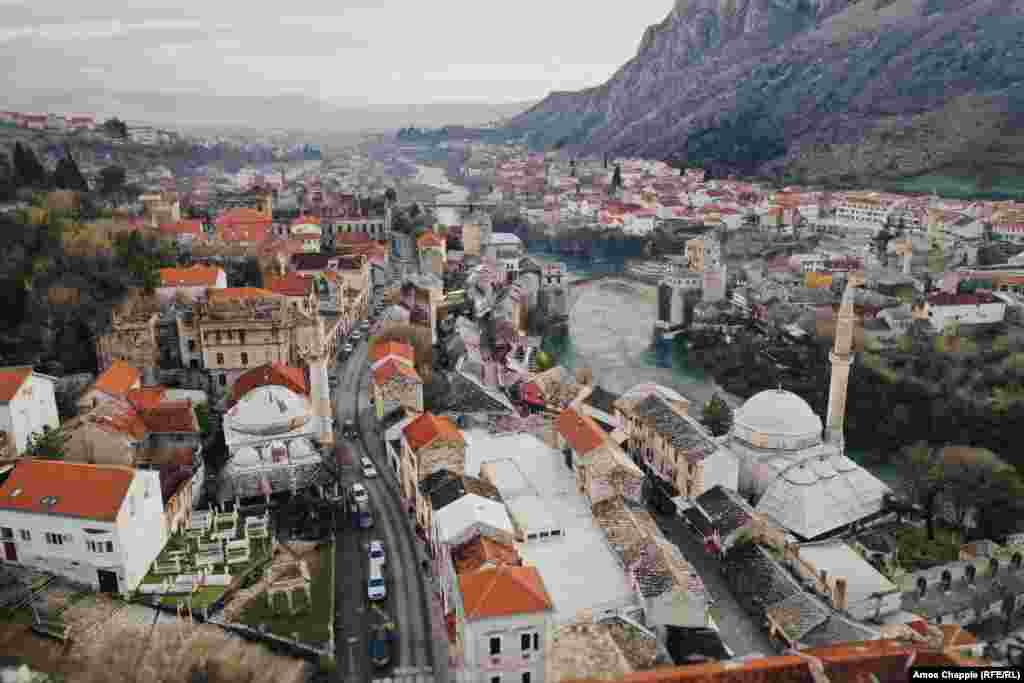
<point x="809" y="89"/>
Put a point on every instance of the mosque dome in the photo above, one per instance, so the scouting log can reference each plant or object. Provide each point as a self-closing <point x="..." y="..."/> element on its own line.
<point x="269" y="410"/>
<point x="777" y="419"/>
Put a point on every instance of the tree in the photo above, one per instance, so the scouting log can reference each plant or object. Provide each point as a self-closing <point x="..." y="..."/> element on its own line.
<point x="544" y="361"/>
<point x="414" y="211"/>
<point x="924" y="479"/>
<point x="115" y="127"/>
<point x="112" y="179"/>
<point x="48" y="444"/>
<point x="717" y="416"/>
<point x="617" y="178"/>
<point x="68" y="176"/>
<point x="28" y="171"/>
<point x="390" y="195"/>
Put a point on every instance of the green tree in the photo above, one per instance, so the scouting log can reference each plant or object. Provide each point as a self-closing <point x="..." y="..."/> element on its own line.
<point x="414" y="211"/>
<point x="544" y="361"/>
<point x="717" y="416"/>
<point x="617" y="178"/>
<point x="112" y="179"/>
<point x="203" y="417"/>
<point x="48" y="444"/>
<point x="115" y="127"/>
<point x="28" y="171"/>
<point x="924" y="478"/>
<point x="391" y="195"/>
<point x="68" y="176"/>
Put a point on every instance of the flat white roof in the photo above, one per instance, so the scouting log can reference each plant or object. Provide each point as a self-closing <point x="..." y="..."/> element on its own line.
<point x="579" y="568"/>
<point x="840" y="560"/>
<point x="453" y="519"/>
<point x="504" y="238"/>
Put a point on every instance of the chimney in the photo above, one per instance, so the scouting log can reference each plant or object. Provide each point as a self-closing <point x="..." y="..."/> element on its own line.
<point x="839" y="595"/>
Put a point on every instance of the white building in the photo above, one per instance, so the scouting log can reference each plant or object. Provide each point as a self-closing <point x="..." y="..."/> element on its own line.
<point x="143" y="135"/>
<point x="945" y="309"/>
<point x="27" y="405"/>
<point x="507" y="249"/>
<point x="98" y="525"/>
<point x="190" y="282"/>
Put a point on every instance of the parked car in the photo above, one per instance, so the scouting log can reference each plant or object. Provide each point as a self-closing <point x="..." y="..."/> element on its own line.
<point x="377" y="586"/>
<point x="369" y="470"/>
<point x="359" y="494"/>
<point x="347" y="349"/>
<point x="376" y="551"/>
<point x="382" y="638"/>
<point x="349" y="430"/>
<point x="357" y="335"/>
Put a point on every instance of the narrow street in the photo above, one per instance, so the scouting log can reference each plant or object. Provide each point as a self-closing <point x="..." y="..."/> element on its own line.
<point x="740" y="631"/>
<point x="407" y="605"/>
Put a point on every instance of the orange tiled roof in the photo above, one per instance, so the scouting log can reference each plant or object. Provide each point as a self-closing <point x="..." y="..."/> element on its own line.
<point x="503" y="591"/>
<point x="428" y="427"/>
<point x="11" y="380"/>
<point x="146" y="398"/>
<point x="291" y="284"/>
<point x="306" y="220"/>
<point x="384" y="349"/>
<point x="240" y="293"/>
<point x="430" y="239"/>
<point x="472" y="555"/>
<point x="884" y="661"/>
<point x="276" y="374"/>
<point x="119" y="419"/>
<point x="582" y="433"/>
<point x="391" y="369"/>
<point x="196" y="276"/>
<point x="244" y="232"/>
<point x="118" y="379"/>
<point x="84" y="491"/>
<point x="242" y="215"/>
<point x="171" y="417"/>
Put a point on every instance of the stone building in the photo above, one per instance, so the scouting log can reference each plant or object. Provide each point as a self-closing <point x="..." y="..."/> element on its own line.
<point x="432" y="253"/>
<point x="243" y="328"/>
<point x="395" y="385"/>
<point x="132" y="337"/>
<point x="476" y="234"/>
<point x="429" y="443"/>
<point x="423" y="296"/>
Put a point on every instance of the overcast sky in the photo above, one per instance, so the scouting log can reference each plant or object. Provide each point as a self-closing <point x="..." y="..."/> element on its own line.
<point x="385" y="52"/>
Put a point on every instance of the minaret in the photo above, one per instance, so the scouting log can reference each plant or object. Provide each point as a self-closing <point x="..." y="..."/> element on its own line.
<point x="315" y="356"/>
<point x="841" y="358"/>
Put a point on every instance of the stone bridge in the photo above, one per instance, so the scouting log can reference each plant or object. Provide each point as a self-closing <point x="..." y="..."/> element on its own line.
<point x="576" y="288"/>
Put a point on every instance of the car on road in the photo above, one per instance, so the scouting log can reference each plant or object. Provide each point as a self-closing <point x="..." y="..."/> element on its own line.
<point x="349" y="430"/>
<point x="356" y="336"/>
<point x="382" y="638"/>
<point x="376" y="551"/>
<point x="347" y="349"/>
<point x="377" y="586"/>
<point x="359" y="494"/>
<point x="369" y="470"/>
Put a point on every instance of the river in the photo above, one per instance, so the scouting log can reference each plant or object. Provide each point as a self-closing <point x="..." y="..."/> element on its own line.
<point x="438" y="178"/>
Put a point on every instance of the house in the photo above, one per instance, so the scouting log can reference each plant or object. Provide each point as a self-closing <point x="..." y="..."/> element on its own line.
<point x="244" y="227"/>
<point x="184" y="232"/>
<point x="396" y="384"/>
<point x="505" y="615"/>
<point x="601" y="649"/>
<point x="308" y="230"/>
<point x="97" y="525"/>
<point x="113" y="384"/>
<point x="429" y="443"/>
<point x="944" y="309"/>
<point x="718" y="515"/>
<point x="191" y="282"/>
<point x="28" y="405"/>
<point x="297" y="290"/>
<point x="383" y="351"/>
<point x="432" y="251"/>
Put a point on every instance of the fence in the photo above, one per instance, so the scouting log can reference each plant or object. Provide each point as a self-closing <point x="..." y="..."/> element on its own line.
<point x="289" y="645"/>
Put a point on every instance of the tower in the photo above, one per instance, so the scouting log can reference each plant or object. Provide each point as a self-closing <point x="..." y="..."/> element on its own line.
<point x="841" y="358"/>
<point x="315" y="356"/>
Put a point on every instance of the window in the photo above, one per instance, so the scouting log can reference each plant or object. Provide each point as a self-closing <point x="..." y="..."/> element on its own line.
<point x="231" y="335"/>
<point x="223" y="380"/>
<point x="6" y="533"/>
<point x="536" y="641"/>
<point x="220" y="359"/>
<point x="495" y="645"/>
<point x="100" y="546"/>
<point x="55" y="539"/>
<point x="191" y="345"/>
<point x="26" y="535"/>
<point x="241" y="336"/>
<point x="245" y="358"/>
<point x="525" y="641"/>
<point x="526" y="677"/>
<point x="216" y="336"/>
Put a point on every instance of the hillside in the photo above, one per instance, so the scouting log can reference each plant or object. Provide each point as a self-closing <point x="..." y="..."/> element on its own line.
<point x="810" y="89"/>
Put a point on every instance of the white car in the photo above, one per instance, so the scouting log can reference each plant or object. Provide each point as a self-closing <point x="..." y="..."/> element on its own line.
<point x="376" y="551"/>
<point x="368" y="469"/>
<point x="357" y="335"/>
<point x="377" y="587"/>
<point x="359" y="494"/>
<point x="347" y="348"/>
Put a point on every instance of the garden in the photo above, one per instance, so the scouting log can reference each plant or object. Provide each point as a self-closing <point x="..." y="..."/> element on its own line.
<point x="202" y="560"/>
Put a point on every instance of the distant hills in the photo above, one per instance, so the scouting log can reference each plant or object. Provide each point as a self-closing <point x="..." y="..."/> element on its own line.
<point x="285" y="111"/>
<point x="813" y="90"/>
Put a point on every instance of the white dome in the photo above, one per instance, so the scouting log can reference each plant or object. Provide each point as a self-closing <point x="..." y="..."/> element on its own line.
<point x="777" y="419"/>
<point x="269" y="410"/>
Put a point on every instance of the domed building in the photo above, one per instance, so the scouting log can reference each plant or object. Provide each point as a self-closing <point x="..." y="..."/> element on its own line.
<point x="804" y="483"/>
<point x="272" y="434"/>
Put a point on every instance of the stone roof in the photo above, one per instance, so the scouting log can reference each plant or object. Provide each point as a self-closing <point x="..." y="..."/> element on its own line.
<point x="246" y="484"/>
<point x="686" y="645"/>
<point x="584" y="650"/>
<point x="725" y="509"/>
<point x="467" y="396"/>
<point x="639" y="647"/>
<point x="797" y="615"/>
<point x="836" y="630"/>
<point x="681" y="432"/>
<point x="757" y="581"/>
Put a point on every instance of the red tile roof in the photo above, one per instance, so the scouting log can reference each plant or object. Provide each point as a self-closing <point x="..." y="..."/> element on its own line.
<point x="242" y="215"/>
<point x="503" y="591"/>
<point x="11" y="380"/>
<point x="171" y="417"/>
<point x="196" y="276"/>
<point x="352" y="238"/>
<point x="244" y="232"/>
<point x="291" y="284"/>
<point x="383" y="349"/>
<point x="428" y="427"/>
<point x="275" y="374"/>
<point x="582" y="433"/>
<point x="85" y="491"/>
<point x="472" y="555"/>
<point x="430" y="239"/>
<point x="118" y="379"/>
<point x="146" y="398"/>
<point x="306" y="220"/>
<point x="391" y="369"/>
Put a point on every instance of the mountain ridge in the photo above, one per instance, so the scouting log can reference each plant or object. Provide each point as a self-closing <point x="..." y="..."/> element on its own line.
<point x="797" y="87"/>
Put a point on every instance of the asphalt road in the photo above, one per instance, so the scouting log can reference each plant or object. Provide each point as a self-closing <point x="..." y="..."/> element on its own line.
<point x="407" y="605"/>
<point x="740" y="631"/>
